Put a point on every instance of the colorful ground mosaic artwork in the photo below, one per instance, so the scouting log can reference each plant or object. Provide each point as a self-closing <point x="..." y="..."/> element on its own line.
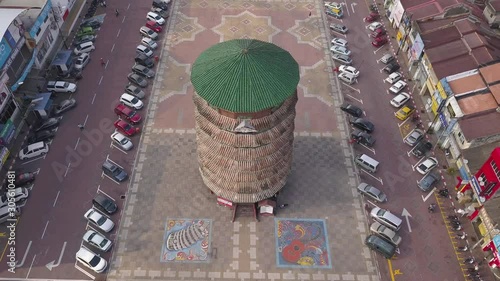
<point x="302" y="243"/>
<point x="186" y="240"/>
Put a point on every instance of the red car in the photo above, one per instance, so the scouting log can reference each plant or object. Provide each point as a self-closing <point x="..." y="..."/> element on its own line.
<point x="379" y="41"/>
<point x="153" y="26"/>
<point x="372" y="17"/>
<point x="126" y="128"/>
<point x="378" y="32"/>
<point x="127" y="113"/>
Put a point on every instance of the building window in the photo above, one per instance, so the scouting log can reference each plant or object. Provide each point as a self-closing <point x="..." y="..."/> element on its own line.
<point x="495" y="168"/>
<point x="461" y="137"/>
<point x="7" y="112"/>
<point x="451" y="111"/>
<point x="46" y="19"/>
<point x="38" y="32"/>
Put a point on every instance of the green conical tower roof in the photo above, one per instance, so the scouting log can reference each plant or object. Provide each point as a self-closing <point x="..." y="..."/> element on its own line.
<point x="245" y="75"/>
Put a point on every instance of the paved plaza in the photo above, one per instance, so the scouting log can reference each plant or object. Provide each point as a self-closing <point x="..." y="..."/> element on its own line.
<point x="319" y="236"/>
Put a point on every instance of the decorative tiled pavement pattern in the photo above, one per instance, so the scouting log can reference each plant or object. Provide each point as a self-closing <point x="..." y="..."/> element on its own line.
<point x="166" y="182"/>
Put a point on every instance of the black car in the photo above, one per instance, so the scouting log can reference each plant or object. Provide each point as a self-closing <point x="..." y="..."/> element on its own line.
<point x="49" y="123"/>
<point x="428" y="181"/>
<point x="160" y="4"/>
<point x="114" y="171"/>
<point x="351" y="110"/>
<point x="391" y="67"/>
<point x="362" y="138"/>
<point x="104" y="204"/>
<point x="95" y="24"/>
<point x="362" y="124"/>
<point x="421" y="149"/>
<point x="43" y="135"/>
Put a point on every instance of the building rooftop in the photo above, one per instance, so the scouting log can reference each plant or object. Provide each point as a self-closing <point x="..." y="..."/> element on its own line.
<point x="468" y="84"/>
<point x="491" y="73"/>
<point x="477" y="103"/>
<point x="495" y="92"/>
<point x="457" y="65"/>
<point x="480" y="126"/>
<point x="495" y="4"/>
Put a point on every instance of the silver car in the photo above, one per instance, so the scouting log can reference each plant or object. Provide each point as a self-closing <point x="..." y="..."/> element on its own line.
<point x="386" y="233"/>
<point x="64" y="106"/>
<point x="415" y="136"/>
<point x="143" y="71"/>
<point x="372" y="192"/>
<point x="135" y="91"/>
<point x="82" y="61"/>
<point x="342" y="59"/>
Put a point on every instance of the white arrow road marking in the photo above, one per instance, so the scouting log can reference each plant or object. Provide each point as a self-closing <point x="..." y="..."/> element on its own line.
<point x="406" y="214"/>
<point x="51" y="264"/>
<point x="25" y="254"/>
<point x="428" y="195"/>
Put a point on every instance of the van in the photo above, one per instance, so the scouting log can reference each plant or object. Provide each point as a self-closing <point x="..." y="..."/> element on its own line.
<point x="347" y="78"/>
<point x="86" y="47"/>
<point x="367" y="163"/>
<point x="34" y="150"/>
<point x="381" y="246"/>
<point x="9" y="213"/>
<point x="386" y="218"/>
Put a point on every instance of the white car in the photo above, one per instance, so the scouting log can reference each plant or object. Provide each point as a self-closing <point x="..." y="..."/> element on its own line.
<point x="100" y="220"/>
<point x="339" y="42"/>
<point x="91" y="260"/>
<point x="426" y="166"/>
<point x="34" y="150"/>
<point x="400" y="99"/>
<point x="86" y="47"/>
<point x="156" y="18"/>
<point x="97" y="240"/>
<point x="340" y="50"/>
<point x="82" y="61"/>
<point x="333" y="5"/>
<point x="147" y="32"/>
<point x="14" y="195"/>
<point x="349" y="70"/>
<point x="61" y="87"/>
<point x="122" y="141"/>
<point x="393" y="78"/>
<point x="148" y="42"/>
<point x="131" y="101"/>
<point x="398" y="87"/>
<point x="347" y="78"/>
<point x="374" y="25"/>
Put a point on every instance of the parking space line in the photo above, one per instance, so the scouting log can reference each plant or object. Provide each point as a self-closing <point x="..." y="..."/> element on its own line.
<point x="377" y="178"/>
<point x="100" y="80"/>
<point x="358" y="100"/>
<point x="428" y="195"/>
<point x="352" y="88"/>
<point x="44" y="230"/>
<point x="338" y="33"/>
<point x="37" y="172"/>
<point x="93" y="99"/>
<point x="114" y="162"/>
<point x="67" y="169"/>
<point x="100" y="191"/>
<point x="369" y="148"/>
<point x="31" y="266"/>
<point x="33" y="160"/>
<point x="55" y="201"/>
<point x="113" y="48"/>
<point x="89" y="227"/>
<point x="418" y="163"/>
<point x="83" y="271"/>
<point x="76" y="145"/>
<point x="25" y="254"/>
<point x="118" y="33"/>
<point x="375" y="52"/>
<point x="86" y="119"/>
<point x="104" y="175"/>
<point x="112" y="145"/>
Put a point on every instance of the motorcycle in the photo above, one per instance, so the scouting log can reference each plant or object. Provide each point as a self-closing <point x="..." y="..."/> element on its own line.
<point x="470" y="260"/>
<point x="453" y="218"/>
<point x="444" y="192"/>
<point x="456" y="227"/>
<point x="463" y="249"/>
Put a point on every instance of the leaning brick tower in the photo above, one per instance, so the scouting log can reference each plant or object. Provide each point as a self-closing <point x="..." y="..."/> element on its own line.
<point x="245" y="97"/>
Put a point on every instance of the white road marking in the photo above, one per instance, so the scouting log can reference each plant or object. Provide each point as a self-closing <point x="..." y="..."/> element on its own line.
<point x="352" y="7"/>
<point x="31" y="265"/>
<point x="352" y="88"/>
<point x="25" y="254"/>
<point x="369" y="148"/>
<point x="104" y="175"/>
<point x="360" y="100"/>
<point x="33" y="160"/>
<point x="55" y="201"/>
<point x="124" y="16"/>
<point x="93" y="99"/>
<point x="67" y="169"/>
<point x="51" y="264"/>
<point x="45" y="229"/>
<point x="418" y="163"/>
<point x="100" y="191"/>
<point x="76" y="145"/>
<point x="118" y="34"/>
<point x="114" y="163"/>
<point x="86" y="118"/>
<point x="113" y="145"/>
<point x="428" y="195"/>
<point x="377" y="178"/>
<point x="100" y="80"/>
<point x="113" y="48"/>
<point x="84" y="272"/>
<point x="377" y="50"/>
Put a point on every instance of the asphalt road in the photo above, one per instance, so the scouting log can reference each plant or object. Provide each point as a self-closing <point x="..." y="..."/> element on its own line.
<point x="52" y="225"/>
<point x="426" y="251"/>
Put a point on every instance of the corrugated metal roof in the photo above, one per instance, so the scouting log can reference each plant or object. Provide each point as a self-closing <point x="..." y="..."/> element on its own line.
<point x="245" y="75"/>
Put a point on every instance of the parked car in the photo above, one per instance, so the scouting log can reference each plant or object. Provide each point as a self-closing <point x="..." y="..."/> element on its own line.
<point x="105" y="204"/>
<point x="83" y="39"/>
<point x="339" y="42"/>
<point x="34" y="150"/>
<point x="144" y="60"/>
<point x="16" y="195"/>
<point x="24" y="178"/>
<point x="398" y="87"/>
<point x="148" y="42"/>
<point x="85" y="31"/>
<point x="147" y="32"/>
<point x="428" y="181"/>
<point x="61" y="87"/>
<point x="44" y="135"/>
<point x="134" y="91"/>
<point x="97" y="240"/>
<point x="342" y="59"/>
<point x="154" y="26"/>
<point x="347" y="78"/>
<point x="387" y="58"/>
<point x="413" y="137"/>
<point x="138" y="80"/>
<point x="362" y="124"/>
<point x="380" y="245"/>
<point x="91" y="260"/>
<point x="400" y="99"/>
<point x="131" y="101"/>
<point x="104" y="223"/>
<point x="160" y="4"/>
<point x="363" y="138"/>
<point x="127" y="113"/>
<point x="372" y="192"/>
<point x="386" y="218"/>
<point x="122" y="141"/>
<point x="405" y="112"/>
<point x="333" y="5"/>
<point x="162" y="13"/>
<point x="374" y="26"/>
<point x="93" y="23"/>
<point x="391" y="67"/>
<point x="151" y="16"/>
<point x="143" y="71"/>
<point x="86" y="47"/>
<point x="427" y="165"/>
<point x="141" y="49"/>
<point x="393" y="77"/>
<point x="49" y="123"/>
<point x="379" y="41"/>
<point x="351" y="109"/>
<point x="335" y="13"/>
<point x="372" y="17"/>
<point x="82" y="61"/>
<point x="64" y="106"/>
<point x="114" y="171"/>
<point x="386" y="233"/>
<point x="340" y="50"/>
<point x="339" y="28"/>
<point x="349" y="70"/>
<point x="379" y="32"/>
<point x="422" y="148"/>
<point x="126" y="128"/>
